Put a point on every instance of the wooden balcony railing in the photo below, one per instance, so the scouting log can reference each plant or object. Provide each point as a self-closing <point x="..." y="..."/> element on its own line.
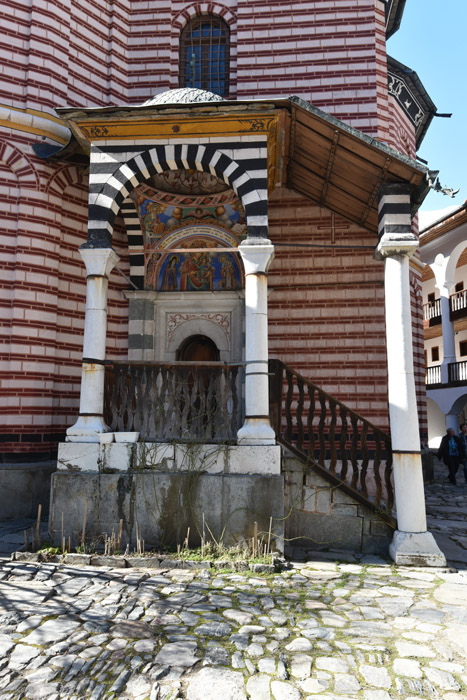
<point x="457" y="372"/>
<point x="346" y="449"/>
<point x="433" y="375"/>
<point x="432" y="312"/>
<point x="458" y="305"/>
<point x="180" y="401"/>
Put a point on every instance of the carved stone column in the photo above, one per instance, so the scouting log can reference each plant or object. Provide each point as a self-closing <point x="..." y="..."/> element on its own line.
<point x="256" y="255"/>
<point x="412" y="544"/>
<point x="99" y="263"/>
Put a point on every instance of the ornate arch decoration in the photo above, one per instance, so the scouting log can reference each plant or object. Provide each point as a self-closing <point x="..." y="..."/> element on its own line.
<point x="66" y="176"/>
<point x="106" y="197"/>
<point x="19" y="164"/>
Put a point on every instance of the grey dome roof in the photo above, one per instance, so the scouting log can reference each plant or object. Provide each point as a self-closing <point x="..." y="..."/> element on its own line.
<point x="184" y="95"/>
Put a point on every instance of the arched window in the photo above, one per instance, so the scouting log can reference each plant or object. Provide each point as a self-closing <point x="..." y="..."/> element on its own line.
<point x="204" y="55"/>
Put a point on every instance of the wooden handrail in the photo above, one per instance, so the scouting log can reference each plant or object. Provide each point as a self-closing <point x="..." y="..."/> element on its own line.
<point x="332" y="439"/>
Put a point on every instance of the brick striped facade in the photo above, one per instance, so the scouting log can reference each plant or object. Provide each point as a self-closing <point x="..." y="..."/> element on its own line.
<point x="124" y="52"/>
<point x="44" y="221"/>
<point x="327" y="316"/>
<point x="326" y="305"/>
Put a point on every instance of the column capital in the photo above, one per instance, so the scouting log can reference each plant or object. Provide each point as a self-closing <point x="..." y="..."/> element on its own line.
<point x="99" y="261"/>
<point x="257" y="254"/>
<point x="393" y="245"/>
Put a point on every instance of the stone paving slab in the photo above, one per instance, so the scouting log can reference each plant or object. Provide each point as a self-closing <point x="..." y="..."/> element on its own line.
<point x="335" y="626"/>
<point x="322" y="630"/>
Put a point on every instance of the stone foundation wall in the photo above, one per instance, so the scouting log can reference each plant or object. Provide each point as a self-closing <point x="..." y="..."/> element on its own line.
<point x="165" y="505"/>
<point x="320" y="516"/>
<point x="23" y="487"/>
<point x="166" y="489"/>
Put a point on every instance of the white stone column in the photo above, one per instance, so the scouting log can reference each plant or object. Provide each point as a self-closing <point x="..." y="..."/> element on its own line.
<point x="412" y="544"/>
<point x="256" y="255"/>
<point x="99" y="263"/>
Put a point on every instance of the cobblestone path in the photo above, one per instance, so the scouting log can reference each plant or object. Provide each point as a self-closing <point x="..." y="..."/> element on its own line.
<point x="321" y="630"/>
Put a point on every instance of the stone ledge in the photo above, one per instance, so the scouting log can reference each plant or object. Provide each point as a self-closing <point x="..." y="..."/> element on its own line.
<point x="145" y="562"/>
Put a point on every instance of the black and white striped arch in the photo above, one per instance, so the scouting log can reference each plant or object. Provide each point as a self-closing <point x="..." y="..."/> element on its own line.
<point x="117" y="169"/>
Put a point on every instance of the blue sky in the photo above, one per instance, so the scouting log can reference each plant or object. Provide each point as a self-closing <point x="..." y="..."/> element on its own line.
<point x="432" y="41"/>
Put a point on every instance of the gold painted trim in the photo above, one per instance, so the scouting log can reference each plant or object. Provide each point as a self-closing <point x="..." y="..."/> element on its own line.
<point x="32" y="121"/>
<point x="186" y="126"/>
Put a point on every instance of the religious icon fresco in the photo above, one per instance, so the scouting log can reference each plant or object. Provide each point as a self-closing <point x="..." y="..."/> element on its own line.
<point x="191" y="211"/>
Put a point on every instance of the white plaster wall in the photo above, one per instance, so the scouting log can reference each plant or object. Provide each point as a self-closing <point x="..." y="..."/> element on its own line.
<point x="436" y="424"/>
<point x="461" y="275"/>
<point x="429" y="287"/>
<point x="431" y="343"/>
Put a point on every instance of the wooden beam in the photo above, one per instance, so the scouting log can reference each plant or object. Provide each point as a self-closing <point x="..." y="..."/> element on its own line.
<point x="327" y="175"/>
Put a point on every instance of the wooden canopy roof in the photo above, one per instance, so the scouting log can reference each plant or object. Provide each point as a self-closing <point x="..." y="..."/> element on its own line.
<point x="343" y="169"/>
<point x="321" y="157"/>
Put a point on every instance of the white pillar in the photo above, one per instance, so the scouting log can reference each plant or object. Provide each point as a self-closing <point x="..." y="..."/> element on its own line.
<point x="412" y="544"/>
<point x="256" y="255"/>
<point x="99" y="263"/>
<point x="449" y="347"/>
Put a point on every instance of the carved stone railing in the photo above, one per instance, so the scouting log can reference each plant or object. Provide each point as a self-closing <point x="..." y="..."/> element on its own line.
<point x="331" y="438"/>
<point x="181" y="401"/>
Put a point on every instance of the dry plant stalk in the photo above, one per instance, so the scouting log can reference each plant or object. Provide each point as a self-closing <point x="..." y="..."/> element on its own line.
<point x="120" y="529"/>
<point x="83" y="537"/>
<point x="38" y="524"/>
<point x="255" y="538"/>
<point x="63" y="538"/>
<point x="269" y="535"/>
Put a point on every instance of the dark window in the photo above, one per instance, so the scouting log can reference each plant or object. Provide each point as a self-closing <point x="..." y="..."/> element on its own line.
<point x="204" y="55"/>
<point x="462" y="347"/>
<point x="431" y="298"/>
<point x="459" y="287"/>
<point x="435" y="354"/>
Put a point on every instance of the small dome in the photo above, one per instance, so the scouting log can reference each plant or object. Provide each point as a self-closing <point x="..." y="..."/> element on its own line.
<point x="184" y="95"/>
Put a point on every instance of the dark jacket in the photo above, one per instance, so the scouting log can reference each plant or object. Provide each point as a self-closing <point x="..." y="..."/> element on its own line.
<point x="443" y="452"/>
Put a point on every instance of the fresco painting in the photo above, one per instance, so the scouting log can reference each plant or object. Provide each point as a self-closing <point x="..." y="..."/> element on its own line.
<point x="181" y="221"/>
<point x="194" y="272"/>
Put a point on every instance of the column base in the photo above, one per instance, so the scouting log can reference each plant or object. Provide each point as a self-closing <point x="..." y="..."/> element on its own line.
<point x="415" y="549"/>
<point x="87" y="429"/>
<point x="256" y="431"/>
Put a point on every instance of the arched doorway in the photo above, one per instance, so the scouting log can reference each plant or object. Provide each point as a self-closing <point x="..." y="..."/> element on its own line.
<point x="198" y="348"/>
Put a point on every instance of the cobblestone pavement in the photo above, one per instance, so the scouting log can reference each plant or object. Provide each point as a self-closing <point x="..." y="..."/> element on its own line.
<point x="446" y="507"/>
<point x="321" y="630"/>
<point x="334" y="627"/>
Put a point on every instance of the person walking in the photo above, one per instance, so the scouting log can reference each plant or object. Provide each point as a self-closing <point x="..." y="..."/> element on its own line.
<point x="451" y="451"/>
<point x="463" y="438"/>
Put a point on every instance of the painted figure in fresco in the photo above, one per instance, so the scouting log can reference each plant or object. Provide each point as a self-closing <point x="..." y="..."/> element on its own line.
<point x="151" y="270"/>
<point x="152" y="224"/>
<point x="222" y="217"/>
<point x="175" y="219"/>
<point x="227" y="272"/>
<point x="170" y="276"/>
<point x="196" y="271"/>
